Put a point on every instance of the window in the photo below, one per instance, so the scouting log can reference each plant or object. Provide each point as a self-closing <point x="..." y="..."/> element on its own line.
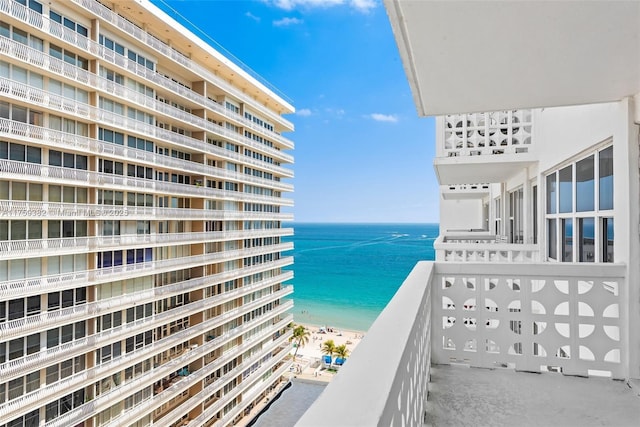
<point x="572" y="212"/>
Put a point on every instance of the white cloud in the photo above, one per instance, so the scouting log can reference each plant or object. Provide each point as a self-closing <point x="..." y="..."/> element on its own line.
<point x="285" y="22"/>
<point x="363" y="5"/>
<point x="389" y="118"/>
<point x="360" y="5"/>
<point x="252" y="16"/>
<point x="304" y="112"/>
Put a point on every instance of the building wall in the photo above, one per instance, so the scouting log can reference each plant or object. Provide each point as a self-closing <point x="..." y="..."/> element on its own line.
<point x="461" y="214"/>
<point x="141" y="247"/>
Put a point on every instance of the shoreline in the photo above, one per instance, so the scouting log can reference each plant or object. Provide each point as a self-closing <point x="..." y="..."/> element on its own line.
<point x="308" y="365"/>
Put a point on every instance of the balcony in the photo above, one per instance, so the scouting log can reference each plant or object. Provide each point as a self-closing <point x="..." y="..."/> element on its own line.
<point x="470" y="145"/>
<point x="482" y="247"/>
<point x="14" y="249"/>
<point x="42" y="22"/>
<point x="57" y="210"/>
<point x="549" y="318"/>
<point x="36" y="172"/>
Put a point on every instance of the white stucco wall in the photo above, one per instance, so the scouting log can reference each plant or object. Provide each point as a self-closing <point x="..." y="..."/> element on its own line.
<point x="461" y="214"/>
<point x="563" y="132"/>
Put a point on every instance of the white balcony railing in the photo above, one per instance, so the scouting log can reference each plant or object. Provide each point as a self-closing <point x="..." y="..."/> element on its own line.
<point x="535" y="317"/>
<point x="483" y="247"/>
<point x="37" y="96"/>
<point x="397" y="348"/>
<point x="70" y="36"/>
<point x="12" y="249"/>
<point x="486" y="134"/>
<point x="51" y="210"/>
<point x="16" y="367"/>
<point x="36" y="171"/>
<point x="166" y="50"/>
<point x="37" y="134"/>
<point x="40" y="284"/>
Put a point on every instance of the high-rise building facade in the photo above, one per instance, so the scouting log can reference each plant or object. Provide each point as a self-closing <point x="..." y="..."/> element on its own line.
<point x="142" y="176"/>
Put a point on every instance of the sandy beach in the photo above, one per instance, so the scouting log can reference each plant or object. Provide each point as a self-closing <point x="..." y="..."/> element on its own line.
<point x="308" y="364"/>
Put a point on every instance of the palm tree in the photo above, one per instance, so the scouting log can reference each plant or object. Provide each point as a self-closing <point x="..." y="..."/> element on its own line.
<point x="300" y="337"/>
<point x="341" y="351"/>
<point x="329" y="348"/>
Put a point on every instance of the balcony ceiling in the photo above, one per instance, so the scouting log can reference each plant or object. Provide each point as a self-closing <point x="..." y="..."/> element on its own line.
<point x="466" y="169"/>
<point x="472" y="56"/>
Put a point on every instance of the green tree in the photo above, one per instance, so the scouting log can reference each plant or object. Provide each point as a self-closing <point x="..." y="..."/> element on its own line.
<point x="341" y="351"/>
<point x="329" y="347"/>
<point x="300" y="337"/>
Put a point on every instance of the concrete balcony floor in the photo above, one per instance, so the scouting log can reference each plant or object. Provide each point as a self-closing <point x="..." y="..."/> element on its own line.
<point x="462" y="396"/>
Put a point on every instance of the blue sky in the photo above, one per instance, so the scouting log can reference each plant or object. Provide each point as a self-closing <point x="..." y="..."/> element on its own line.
<point x="362" y="154"/>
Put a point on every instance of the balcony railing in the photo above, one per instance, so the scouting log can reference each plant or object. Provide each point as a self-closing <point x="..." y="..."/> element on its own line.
<point x="13" y="249"/>
<point x="37" y="134"/>
<point x="57" y="30"/>
<point x="482" y="247"/>
<point x="486" y="134"/>
<point x="20" y="209"/>
<point x="11" y="369"/>
<point x="40" y="284"/>
<point x="163" y="48"/>
<point x="36" y="171"/>
<point x="535" y="317"/>
<point x="37" y="96"/>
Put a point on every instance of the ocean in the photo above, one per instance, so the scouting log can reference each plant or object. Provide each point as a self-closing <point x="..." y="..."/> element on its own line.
<point x="345" y="274"/>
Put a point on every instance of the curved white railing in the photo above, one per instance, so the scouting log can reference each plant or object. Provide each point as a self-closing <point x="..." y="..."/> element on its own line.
<point x="89" y="376"/>
<point x="166" y="50"/>
<point x="22" y="170"/>
<point x="168" y="394"/>
<point x="34" y="95"/>
<point x="42" y="22"/>
<point x="41" y="284"/>
<point x="105" y="400"/>
<point x="51" y="210"/>
<point x="12" y="249"/>
<point x="26" y="132"/>
<point x="16" y="367"/>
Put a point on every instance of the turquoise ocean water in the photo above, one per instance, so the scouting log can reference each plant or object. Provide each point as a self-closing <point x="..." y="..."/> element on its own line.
<point x="345" y="274"/>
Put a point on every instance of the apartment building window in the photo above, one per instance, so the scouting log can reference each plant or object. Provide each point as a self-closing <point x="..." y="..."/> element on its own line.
<point x="111" y="136"/>
<point x="58" y="193"/>
<point x="21" y="75"/>
<point x="19" y="308"/>
<point x="64" y="405"/>
<point x="20" y="152"/>
<point x="112" y="75"/>
<point x="21" y="36"/>
<point x="232" y="107"/>
<point x="20" y="114"/>
<point x="60" y="371"/>
<point x="66" y="228"/>
<point x="32" y="419"/>
<point x="140" y="116"/>
<point x="140" y="144"/>
<point x="67" y="160"/>
<point x="111" y="106"/>
<point x="68" y="125"/>
<point x="109" y="197"/>
<point x="67" y="298"/>
<point x="68" y="56"/>
<point x="139" y="199"/>
<point x="72" y="25"/>
<point x="579" y="209"/>
<point x="111" y="45"/>
<point x="68" y="91"/>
